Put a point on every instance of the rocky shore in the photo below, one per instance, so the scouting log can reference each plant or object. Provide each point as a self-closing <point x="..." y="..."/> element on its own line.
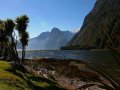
<point x="68" y="73"/>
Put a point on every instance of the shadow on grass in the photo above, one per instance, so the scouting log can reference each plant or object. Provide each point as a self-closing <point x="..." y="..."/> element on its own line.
<point x="40" y="79"/>
<point x="29" y="78"/>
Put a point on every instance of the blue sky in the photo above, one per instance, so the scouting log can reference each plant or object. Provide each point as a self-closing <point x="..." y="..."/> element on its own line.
<point x="46" y="14"/>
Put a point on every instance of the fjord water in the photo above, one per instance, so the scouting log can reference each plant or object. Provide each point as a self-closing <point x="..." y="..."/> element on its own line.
<point x="94" y="56"/>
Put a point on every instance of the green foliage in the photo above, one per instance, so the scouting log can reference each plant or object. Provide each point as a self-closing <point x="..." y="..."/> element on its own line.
<point x="9" y="26"/>
<point x="22" y="23"/>
<point x="21" y="26"/>
<point x="24" y="38"/>
<point x="9" y="39"/>
<point x="1" y="25"/>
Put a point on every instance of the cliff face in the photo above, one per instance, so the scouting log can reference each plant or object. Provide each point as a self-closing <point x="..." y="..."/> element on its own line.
<point x="101" y="27"/>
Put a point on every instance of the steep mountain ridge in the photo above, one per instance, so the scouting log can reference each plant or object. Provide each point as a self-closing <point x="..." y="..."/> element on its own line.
<point x="102" y="21"/>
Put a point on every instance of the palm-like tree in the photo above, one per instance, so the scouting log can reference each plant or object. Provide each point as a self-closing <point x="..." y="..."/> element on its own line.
<point x="9" y="29"/>
<point x="1" y="31"/>
<point x="21" y="26"/>
<point x="22" y="23"/>
<point x="2" y="37"/>
<point x="24" y="41"/>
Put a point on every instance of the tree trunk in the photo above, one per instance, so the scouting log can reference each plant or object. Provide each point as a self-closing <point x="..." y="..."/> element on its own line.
<point x="22" y="53"/>
<point x="15" y="53"/>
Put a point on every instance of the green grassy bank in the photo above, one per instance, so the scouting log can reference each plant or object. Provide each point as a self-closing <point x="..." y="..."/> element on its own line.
<point x="12" y="78"/>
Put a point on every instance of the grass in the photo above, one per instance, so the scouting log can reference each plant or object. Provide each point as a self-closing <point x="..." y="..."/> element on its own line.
<point x="12" y="78"/>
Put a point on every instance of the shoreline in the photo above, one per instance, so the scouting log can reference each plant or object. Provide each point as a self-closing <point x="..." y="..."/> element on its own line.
<point x="19" y="50"/>
<point x="67" y="73"/>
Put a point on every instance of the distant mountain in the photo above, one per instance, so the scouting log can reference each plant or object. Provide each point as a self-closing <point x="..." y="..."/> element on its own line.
<point x="50" y="40"/>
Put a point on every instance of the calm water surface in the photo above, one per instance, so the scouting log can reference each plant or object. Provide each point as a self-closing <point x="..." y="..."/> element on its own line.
<point x="85" y="55"/>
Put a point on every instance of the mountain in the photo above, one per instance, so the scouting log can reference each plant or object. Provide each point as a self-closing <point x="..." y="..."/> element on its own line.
<point x="49" y="40"/>
<point x="101" y="27"/>
<point x="38" y="42"/>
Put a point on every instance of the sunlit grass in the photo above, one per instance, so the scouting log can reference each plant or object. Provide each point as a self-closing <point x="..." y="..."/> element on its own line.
<point x="4" y="65"/>
<point x="18" y="80"/>
<point x="4" y="86"/>
<point x="9" y="81"/>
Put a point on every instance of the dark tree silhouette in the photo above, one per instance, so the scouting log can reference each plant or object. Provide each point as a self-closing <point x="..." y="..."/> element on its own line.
<point x="21" y="26"/>
<point x="24" y="41"/>
<point x="9" y="29"/>
<point x="2" y="37"/>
